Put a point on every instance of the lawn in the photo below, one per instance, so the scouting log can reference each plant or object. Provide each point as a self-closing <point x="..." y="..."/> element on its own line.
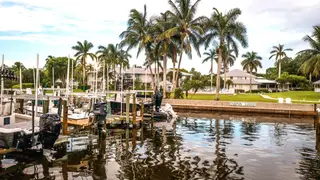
<point x="297" y="95"/>
<point x="238" y="97"/>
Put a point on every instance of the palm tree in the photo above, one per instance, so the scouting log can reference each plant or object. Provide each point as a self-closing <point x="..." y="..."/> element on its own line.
<point x="82" y="54"/>
<point x="227" y="29"/>
<point x="251" y="63"/>
<point x="210" y="56"/>
<point x="162" y="40"/>
<point x="187" y="26"/>
<point x="138" y="35"/>
<point x="280" y="53"/>
<point x="312" y="55"/>
<point x="228" y="60"/>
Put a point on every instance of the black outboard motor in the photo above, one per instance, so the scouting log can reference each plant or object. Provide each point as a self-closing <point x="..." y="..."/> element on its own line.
<point x="50" y="126"/>
<point x="158" y="100"/>
<point x="100" y="112"/>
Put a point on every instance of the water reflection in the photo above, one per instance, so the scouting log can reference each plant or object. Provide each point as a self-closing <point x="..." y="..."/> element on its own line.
<point x="213" y="147"/>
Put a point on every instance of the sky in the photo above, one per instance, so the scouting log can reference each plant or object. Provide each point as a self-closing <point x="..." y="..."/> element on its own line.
<point x="52" y="27"/>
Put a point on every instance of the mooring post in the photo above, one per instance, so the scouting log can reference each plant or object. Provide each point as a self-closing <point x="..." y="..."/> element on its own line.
<point x="45" y="106"/>
<point x="142" y="114"/>
<point x="21" y="105"/>
<point x="134" y="138"/>
<point x="152" y="109"/>
<point x="127" y="109"/>
<point x="60" y="107"/>
<point x="134" y="111"/>
<point x="33" y="121"/>
<point x="317" y="119"/>
<point x="65" y="118"/>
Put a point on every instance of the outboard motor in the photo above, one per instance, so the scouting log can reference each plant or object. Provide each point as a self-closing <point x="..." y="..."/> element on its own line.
<point x="158" y="100"/>
<point x="100" y="112"/>
<point x="50" y="126"/>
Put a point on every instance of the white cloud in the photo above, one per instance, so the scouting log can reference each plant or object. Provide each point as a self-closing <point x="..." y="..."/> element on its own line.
<point x="269" y="22"/>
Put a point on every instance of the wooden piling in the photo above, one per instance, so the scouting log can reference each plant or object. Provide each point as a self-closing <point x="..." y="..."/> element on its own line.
<point x="317" y="120"/>
<point x="45" y="106"/>
<point x="127" y="108"/>
<point x="60" y="106"/>
<point x="65" y="118"/>
<point x="142" y="112"/>
<point x="134" y="111"/>
<point x="21" y="105"/>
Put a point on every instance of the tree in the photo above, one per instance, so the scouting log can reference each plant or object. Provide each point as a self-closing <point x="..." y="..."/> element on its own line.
<point x="229" y="82"/>
<point x="279" y="52"/>
<point x="82" y="54"/>
<point x="312" y="56"/>
<point x="228" y="60"/>
<point x="251" y="63"/>
<point x="210" y="55"/>
<point x="138" y="34"/>
<point x="187" y="26"/>
<point x="271" y="73"/>
<point x="226" y="29"/>
<point x="162" y="41"/>
<point x="60" y="65"/>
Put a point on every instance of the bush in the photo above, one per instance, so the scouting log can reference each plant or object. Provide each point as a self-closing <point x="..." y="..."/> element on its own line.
<point x="239" y="91"/>
<point x="168" y="94"/>
<point x="178" y="93"/>
<point x="24" y="86"/>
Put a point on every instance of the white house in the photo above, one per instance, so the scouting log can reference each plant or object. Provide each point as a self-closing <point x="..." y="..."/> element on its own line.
<point x="241" y="80"/>
<point x="316" y="86"/>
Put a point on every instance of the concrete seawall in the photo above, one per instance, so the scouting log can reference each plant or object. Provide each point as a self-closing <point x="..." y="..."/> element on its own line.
<point x="243" y="107"/>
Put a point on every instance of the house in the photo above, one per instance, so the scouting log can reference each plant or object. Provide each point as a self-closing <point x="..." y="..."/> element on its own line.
<point x="316" y="86"/>
<point x="241" y="81"/>
<point x="169" y="86"/>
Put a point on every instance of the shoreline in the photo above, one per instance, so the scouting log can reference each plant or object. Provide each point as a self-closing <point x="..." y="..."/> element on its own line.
<point x="242" y="107"/>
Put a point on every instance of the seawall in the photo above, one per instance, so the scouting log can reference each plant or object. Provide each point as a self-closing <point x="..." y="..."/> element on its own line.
<point x="242" y="107"/>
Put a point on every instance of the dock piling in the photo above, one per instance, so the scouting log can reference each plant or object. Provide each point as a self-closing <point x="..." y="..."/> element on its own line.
<point x="65" y="118"/>
<point x="142" y="113"/>
<point x="134" y="111"/>
<point x="317" y="119"/>
<point x="127" y="109"/>
<point x="45" y="108"/>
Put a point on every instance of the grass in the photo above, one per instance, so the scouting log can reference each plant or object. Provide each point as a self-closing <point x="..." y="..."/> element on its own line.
<point x="294" y="95"/>
<point x="238" y="97"/>
<point x="297" y="95"/>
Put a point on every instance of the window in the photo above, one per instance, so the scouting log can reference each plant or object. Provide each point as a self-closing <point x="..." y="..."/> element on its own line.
<point x="245" y="78"/>
<point x="6" y="121"/>
<point x="231" y="77"/>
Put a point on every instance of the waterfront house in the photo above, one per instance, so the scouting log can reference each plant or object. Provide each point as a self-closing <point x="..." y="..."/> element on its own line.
<point x="241" y="81"/>
<point x="316" y="86"/>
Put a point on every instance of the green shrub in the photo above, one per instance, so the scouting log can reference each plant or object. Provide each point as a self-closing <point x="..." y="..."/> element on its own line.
<point x="168" y="94"/>
<point x="24" y="86"/>
<point x="178" y="93"/>
<point x="239" y="91"/>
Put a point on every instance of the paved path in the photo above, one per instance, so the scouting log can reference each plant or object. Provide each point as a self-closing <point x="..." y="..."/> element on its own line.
<point x="268" y="97"/>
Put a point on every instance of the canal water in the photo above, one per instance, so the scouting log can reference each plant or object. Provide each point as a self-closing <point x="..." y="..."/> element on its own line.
<point x="206" y="147"/>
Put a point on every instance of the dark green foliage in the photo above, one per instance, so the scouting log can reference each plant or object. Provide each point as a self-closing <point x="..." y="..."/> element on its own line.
<point x="178" y="93"/>
<point x="24" y="86"/>
<point x="294" y="80"/>
<point x="239" y="91"/>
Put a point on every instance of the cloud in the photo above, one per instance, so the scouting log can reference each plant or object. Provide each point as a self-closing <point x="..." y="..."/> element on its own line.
<point x="59" y="24"/>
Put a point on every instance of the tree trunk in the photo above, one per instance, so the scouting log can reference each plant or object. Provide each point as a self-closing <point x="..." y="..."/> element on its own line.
<point x="279" y="64"/>
<point x="211" y="74"/>
<point x="149" y="62"/>
<point x="164" y="72"/>
<point x="250" y="79"/>
<point x="174" y="60"/>
<point x="224" y="76"/>
<point x="218" y="73"/>
<point x="115" y="77"/>
<point x="178" y="70"/>
<point x="83" y="71"/>
<point x="310" y="77"/>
